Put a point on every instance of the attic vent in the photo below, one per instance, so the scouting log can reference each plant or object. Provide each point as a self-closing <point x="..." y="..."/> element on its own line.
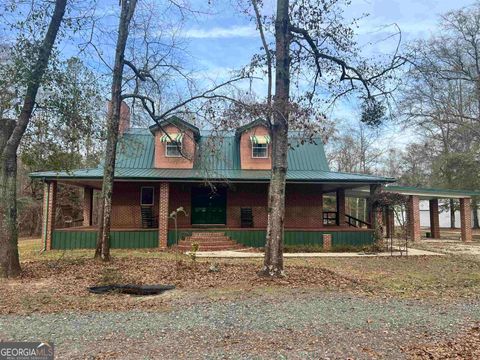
<point x="262" y="139"/>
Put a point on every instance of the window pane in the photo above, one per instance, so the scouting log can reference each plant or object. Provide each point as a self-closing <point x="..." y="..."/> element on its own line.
<point x="259" y="150"/>
<point x="147" y="196"/>
<point x="173" y="148"/>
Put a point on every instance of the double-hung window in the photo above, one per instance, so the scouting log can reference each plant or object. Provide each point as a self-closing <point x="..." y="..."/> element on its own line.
<point x="259" y="150"/>
<point x="173" y="144"/>
<point x="173" y="149"/>
<point x="260" y="146"/>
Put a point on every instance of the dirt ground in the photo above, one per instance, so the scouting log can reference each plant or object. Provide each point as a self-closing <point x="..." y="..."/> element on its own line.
<point x="409" y="307"/>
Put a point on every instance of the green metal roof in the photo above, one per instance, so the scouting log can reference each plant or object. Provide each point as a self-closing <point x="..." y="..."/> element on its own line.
<point x="201" y="174"/>
<point x="218" y="158"/>
<point x="431" y="193"/>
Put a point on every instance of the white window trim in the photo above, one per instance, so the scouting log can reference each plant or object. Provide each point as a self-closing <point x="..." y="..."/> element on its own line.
<point x="153" y="195"/>
<point x="260" y="157"/>
<point x="172" y="156"/>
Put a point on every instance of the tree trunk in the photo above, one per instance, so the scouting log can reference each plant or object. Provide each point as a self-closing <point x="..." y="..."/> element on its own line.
<point x="452" y="214"/>
<point x="103" y="242"/>
<point x="476" y="224"/>
<point x="10" y="141"/>
<point x="10" y="264"/>
<point x="273" y="262"/>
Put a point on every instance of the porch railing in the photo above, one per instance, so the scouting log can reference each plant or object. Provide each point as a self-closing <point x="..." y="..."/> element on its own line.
<point x="330" y="218"/>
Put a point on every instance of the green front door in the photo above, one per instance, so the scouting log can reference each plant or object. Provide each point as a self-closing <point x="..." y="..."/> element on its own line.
<point x="208" y="207"/>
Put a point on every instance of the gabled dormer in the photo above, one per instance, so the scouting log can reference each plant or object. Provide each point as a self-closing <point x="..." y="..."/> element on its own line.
<point x="175" y="143"/>
<point x="255" y="146"/>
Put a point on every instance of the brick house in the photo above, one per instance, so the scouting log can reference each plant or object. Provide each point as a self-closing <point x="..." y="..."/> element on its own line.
<point x="221" y="182"/>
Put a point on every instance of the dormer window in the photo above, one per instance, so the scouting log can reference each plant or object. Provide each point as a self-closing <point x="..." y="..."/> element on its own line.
<point x="173" y="144"/>
<point x="260" y="146"/>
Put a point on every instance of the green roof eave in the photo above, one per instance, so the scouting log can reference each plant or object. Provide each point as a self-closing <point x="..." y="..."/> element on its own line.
<point x="219" y="175"/>
<point x="432" y="193"/>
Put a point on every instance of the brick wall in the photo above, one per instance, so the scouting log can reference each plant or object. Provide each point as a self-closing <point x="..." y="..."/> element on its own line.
<point x="246" y="160"/>
<point x="126" y="211"/>
<point x="188" y="148"/>
<point x="466" y="219"/>
<point x="303" y="204"/>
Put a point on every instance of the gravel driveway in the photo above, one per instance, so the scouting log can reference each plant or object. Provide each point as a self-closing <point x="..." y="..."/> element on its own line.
<point x="278" y="324"/>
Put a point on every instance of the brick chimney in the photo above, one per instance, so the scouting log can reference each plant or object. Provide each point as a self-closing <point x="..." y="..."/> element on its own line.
<point x="124" y="123"/>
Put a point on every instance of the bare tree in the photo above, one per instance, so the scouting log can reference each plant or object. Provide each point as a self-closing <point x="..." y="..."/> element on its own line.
<point x="312" y="39"/>
<point x="11" y="136"/>
<point x="441" y="97"/>
<point x="103" y="242"/>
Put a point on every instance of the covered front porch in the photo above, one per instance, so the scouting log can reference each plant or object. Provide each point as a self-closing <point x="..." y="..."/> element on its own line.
<point x="316" y="214"/>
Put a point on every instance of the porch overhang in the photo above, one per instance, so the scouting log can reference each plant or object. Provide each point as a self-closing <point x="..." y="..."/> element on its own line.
<point x="201" y="175"/>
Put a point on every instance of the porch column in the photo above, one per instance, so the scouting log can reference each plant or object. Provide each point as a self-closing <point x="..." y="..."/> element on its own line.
<point x="163" y="215"/>
<point x="466" y="219"/>
<point x="340" y="207"/>
<point x="87" y="205"/>
<point x="413" y="218"/>
<point x="434" y="219"/>
<point x="49" y="201"/>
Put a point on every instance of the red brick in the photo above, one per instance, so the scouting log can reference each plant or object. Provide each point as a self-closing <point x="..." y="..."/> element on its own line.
<point x="87" y="206"/>
<point x="246" y="159"/>
<point x="466" y="219"/>
<point x="413" y="218"/>
<point x="327" y="241"/>
<point x="49" y="208"/>
<point x="188" y="148"/>
<point x="434" y="219"/>
<point x="163" y="213"/>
